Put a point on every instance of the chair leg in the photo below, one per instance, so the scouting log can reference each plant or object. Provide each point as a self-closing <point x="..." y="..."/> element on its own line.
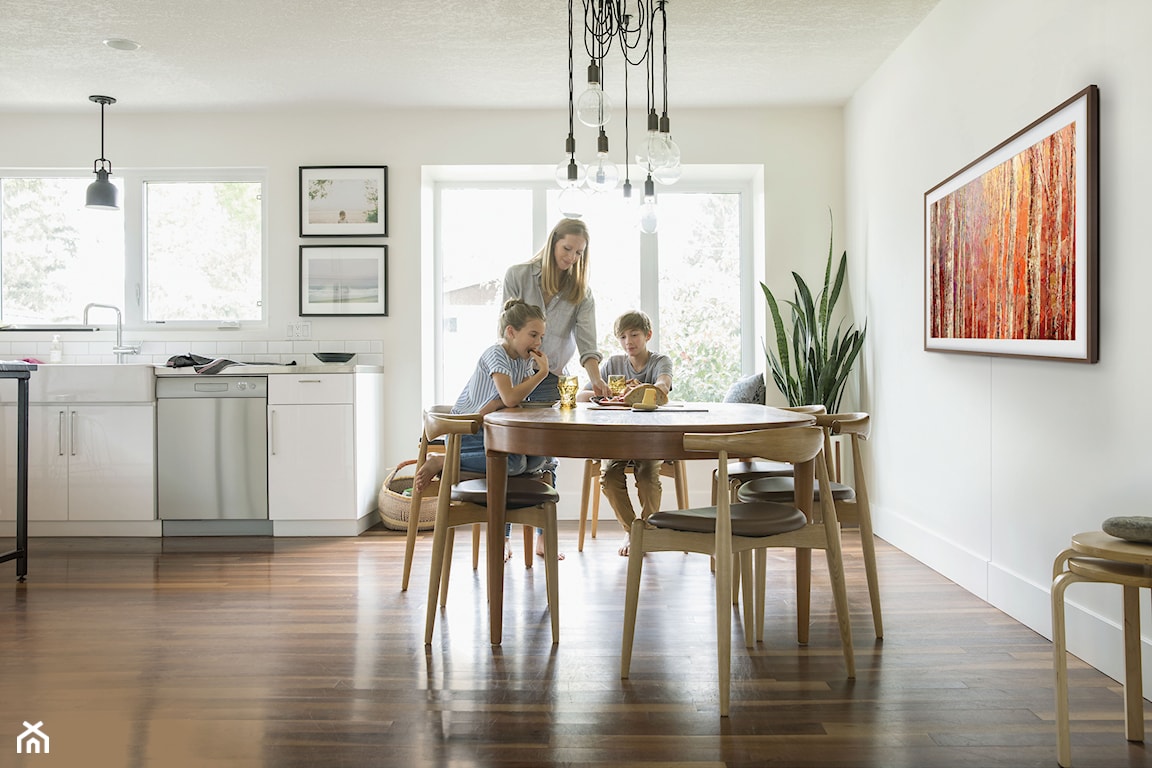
<point x="760" y="574"/>
<point x="435" y="573"/>
<point x="868" y="548"/>
<point x="1060" y="665"/>
<point x="680" y="479"/>
<point x="631" y="594"/>
<point x="745" y="566"/>
<point x="445" y="576"/>
<point x="529" y="547"/>
<point x="840" y="594"/>
<point x="723" y="629"/>
<point x="410" y="542"/>
<point x="1133" y="682"/>
<point x="475" y="546"/>
<point x="596" y="491"/>
<point x="585" y="493"/>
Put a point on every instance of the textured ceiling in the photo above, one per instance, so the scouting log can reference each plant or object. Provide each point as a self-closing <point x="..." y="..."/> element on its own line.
<point x="242" y="54"/>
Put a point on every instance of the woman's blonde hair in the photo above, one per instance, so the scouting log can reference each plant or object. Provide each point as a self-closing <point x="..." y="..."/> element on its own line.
<point x="571" y="284"/>
<point x="518" y="313"/>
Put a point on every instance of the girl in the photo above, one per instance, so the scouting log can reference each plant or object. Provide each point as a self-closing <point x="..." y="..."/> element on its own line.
<point x="503" y="379"/>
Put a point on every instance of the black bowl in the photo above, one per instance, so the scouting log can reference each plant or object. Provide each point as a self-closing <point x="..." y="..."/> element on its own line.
<point x="334" y="357"/>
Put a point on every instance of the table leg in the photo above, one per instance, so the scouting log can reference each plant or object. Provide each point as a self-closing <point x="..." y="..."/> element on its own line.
<point x="497" y="471"/>
<point x="802" y="483"/>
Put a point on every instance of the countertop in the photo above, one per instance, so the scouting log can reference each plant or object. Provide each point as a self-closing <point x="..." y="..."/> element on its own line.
<point x="265" y="370"/>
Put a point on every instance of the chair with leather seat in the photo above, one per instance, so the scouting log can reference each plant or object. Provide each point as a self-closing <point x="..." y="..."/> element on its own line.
<point x="851" y="502"/>
<point x="591" y="490"/>
<point x="726" y="528"/>
<point x="530" y="502"/>
<point x="433" y="446"/>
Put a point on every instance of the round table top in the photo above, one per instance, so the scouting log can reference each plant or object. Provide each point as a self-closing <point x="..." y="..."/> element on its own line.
<point x="1102" y="545"/>
<point x="589" y="431"/>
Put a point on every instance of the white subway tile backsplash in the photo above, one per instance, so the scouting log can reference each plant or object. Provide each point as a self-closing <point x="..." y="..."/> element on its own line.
<point x="280" y="347"/>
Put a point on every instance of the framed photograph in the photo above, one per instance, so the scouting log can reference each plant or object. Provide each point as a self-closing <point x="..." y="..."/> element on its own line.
<point x="344" y="280"/>
<point x="1011" y="244"/>
<point x="344" y="201"/>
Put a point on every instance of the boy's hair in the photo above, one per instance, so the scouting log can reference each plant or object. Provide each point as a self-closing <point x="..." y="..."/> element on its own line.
<point x="572" y="284"/>
<point x="517" y="313"/>
<point x="632" y="320"/>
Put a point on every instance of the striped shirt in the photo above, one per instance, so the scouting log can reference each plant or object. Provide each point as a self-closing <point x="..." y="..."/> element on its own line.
<point x="481" y="389"/>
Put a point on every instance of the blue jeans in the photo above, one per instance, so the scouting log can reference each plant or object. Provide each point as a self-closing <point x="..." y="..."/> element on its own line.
<point x="547" y="390"/>
<point x="473" y="459"/>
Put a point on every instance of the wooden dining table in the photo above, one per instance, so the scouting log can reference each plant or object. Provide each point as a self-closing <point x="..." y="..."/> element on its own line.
<point x="589" y="431"/>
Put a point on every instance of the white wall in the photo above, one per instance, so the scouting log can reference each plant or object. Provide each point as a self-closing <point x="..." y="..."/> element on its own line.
<point x="985" y="467"/>
<point x="801" y="151"/>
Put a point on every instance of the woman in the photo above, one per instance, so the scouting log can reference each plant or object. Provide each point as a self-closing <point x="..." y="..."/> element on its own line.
<point x="556" y="279"/>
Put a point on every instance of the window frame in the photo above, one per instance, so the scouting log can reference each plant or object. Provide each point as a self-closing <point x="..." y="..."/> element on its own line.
<point x="132" y="183"/>
<point x="742" y="180"/>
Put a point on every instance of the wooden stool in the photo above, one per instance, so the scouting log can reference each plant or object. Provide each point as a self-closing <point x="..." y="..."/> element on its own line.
<point x="1097" y="557"/>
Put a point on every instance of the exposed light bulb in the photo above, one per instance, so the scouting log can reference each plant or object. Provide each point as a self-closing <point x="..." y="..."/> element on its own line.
<point x="572" y="203"/>
<point x="594" y="108"/>
<point x="603" y="175"/>
<point x="648" y="219"/>
<point x="669" y="174"/>
<point x="570" y="173"/>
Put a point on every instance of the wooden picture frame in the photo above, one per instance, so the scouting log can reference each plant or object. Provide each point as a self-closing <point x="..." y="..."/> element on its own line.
<point x="344" y="201"/>
<point x="344" y="280"/>
<point x="1011" y="244"/>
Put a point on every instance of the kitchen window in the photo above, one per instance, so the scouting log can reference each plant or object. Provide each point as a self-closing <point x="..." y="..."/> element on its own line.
<point x="693" y="277"/>
<point x="185" y="248"/>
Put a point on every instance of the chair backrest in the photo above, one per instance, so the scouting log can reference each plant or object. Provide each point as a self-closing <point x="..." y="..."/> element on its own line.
<point x="857" y="425"/>
<point x="450" y="426"/>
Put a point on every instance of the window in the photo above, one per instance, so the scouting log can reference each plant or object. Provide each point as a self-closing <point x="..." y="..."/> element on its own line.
<point x="186" y="247"/>
<point x="693" y="277"/>
<point x="203" y="251"/>
<point x="55" y="254"/>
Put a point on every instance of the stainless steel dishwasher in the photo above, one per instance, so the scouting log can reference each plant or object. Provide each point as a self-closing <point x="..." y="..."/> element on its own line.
<point x="212" y="455"/>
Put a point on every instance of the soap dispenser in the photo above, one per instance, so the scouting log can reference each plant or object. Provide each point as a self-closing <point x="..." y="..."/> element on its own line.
<point x="56" y="351"/>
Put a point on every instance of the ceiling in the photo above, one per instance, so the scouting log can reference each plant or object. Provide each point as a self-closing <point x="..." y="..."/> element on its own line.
<point x="212" y="55"/>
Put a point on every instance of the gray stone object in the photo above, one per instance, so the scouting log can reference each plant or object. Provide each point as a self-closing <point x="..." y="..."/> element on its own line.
<point x="1135" y="528"/>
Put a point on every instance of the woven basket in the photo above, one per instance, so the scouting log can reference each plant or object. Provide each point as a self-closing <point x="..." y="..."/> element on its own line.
<point x="395" y="507"/>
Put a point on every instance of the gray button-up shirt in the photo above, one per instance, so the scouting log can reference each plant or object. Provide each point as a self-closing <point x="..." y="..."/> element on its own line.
<point x="568" y="327"/>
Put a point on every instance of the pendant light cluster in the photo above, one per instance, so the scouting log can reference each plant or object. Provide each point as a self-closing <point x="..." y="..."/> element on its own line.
<point x="102" y="193"/>
<point x="629" y="26"/>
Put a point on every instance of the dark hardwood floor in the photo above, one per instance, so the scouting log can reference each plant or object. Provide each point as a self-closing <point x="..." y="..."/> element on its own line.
<point x="304" y="652"/>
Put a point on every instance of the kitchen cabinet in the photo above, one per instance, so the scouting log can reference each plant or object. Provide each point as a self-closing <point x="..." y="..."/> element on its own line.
<point x="91" y="451"/>
<point x="324" y="454"/>
<point x="91" y="462"/>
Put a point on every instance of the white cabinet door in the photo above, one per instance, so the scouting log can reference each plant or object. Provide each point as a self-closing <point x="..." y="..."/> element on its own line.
<point x="111" y="462"/>
<point x="48" y="446"/>
<point x="310" y="462"/>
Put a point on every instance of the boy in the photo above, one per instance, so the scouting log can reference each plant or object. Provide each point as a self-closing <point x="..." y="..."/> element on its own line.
<point x="638" y="365"/>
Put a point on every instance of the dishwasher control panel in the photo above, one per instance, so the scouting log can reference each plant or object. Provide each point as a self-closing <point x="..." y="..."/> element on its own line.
<point x="211" y="386"/>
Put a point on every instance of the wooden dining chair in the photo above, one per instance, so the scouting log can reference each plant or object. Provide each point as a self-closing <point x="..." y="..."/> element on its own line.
<point x="726" y="528"/>
<point x="530" y="502"/>
<point x="851" y="503"/>
<point x="433" y="446"/>
<point x="591" y="489"/>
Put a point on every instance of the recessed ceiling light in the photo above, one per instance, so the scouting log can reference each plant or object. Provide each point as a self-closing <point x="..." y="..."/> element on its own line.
<point x="122" y="44"/>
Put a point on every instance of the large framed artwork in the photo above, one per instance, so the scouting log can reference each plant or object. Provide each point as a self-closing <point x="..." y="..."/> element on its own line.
<point x="1011" y="242"/>
<point x="344" y="201"/>
<point x="343" y="280"/>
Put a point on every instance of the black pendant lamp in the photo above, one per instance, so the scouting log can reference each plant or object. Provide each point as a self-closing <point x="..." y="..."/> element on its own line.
<point x="102" y="193"/>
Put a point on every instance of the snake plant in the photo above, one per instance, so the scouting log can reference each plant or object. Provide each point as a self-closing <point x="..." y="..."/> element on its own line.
<point x="807" y="366"/>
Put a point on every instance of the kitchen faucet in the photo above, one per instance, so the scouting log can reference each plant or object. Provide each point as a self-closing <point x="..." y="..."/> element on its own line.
<point x="119" y="350"/>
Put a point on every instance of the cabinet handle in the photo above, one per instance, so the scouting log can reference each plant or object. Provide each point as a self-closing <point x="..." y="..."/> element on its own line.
<point x="308" y="381"/>
<point x="272" y="431"/>
<point x="73" y="431"/>
<point x="60" y="434"/>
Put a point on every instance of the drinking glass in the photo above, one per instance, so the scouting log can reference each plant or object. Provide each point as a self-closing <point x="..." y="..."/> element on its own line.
<point x="568" y="386"/>
<point x="616" y="384"/>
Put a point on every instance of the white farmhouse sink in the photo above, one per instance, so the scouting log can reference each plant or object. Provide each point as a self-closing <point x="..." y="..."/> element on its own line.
<point x="99" y="383"/>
